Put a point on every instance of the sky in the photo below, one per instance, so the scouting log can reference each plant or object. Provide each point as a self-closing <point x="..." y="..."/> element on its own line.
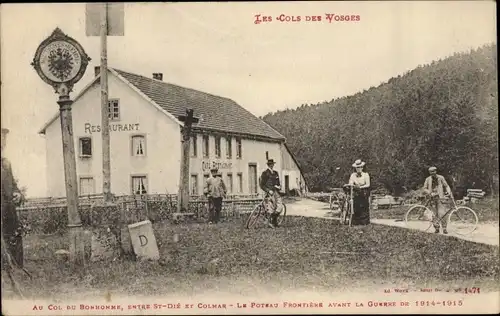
<point x="217" y="48"/>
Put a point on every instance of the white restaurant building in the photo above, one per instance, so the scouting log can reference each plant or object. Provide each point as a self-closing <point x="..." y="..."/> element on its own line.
<point x="145" y="140"/>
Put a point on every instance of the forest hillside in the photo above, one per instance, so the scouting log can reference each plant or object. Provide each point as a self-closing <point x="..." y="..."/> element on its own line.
<point x="443" y="114"/>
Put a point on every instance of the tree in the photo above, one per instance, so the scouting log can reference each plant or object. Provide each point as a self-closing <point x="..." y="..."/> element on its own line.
<point x="443" y="114"/>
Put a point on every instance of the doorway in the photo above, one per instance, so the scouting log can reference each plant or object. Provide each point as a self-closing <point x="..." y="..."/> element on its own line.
<point x="287" y="184"/>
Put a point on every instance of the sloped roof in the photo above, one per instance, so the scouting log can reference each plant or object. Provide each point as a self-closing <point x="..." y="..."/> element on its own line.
<point x="217" y="113"/>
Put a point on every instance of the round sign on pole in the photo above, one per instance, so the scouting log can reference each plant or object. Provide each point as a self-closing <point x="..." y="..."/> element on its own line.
<point x="60" y="61"/>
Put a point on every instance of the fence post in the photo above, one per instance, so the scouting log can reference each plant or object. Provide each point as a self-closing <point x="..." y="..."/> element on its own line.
<point x="147" y="209"/>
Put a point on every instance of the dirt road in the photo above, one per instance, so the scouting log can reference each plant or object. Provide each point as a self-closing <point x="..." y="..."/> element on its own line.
<point x="486" y="233"/>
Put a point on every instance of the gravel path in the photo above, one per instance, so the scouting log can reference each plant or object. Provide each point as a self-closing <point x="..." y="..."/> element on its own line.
<point x="486" y="233"/>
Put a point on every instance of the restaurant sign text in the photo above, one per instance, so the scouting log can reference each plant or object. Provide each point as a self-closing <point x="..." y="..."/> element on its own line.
<point x="89" y="128"/>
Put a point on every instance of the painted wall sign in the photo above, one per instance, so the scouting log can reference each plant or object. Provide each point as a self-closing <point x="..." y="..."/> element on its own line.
<point x="207" y="165"/>
<point x="89" y="128"/>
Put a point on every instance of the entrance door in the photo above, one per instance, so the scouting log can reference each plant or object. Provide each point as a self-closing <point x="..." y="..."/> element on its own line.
<point x="252" y="178"/>
<point x="287" y="184"/>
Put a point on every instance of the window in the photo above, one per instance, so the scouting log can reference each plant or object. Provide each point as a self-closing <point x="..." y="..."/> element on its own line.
<point x="217" y="146"/>
<point x="194" y="184"/>
<point x="138" y="145"/>
<point x="194" y="148"/>
<point x="85" y="146"/>
<point x="229" y="148"/>
<point x="238" y="148"/>
<point x="87" y="186"/>
<point x="206" y="149"/>
<point x="230" y="183"/>
<point x="139" y="185"/>
<point x="240" y="182"/>
<point x="114" y="109"/>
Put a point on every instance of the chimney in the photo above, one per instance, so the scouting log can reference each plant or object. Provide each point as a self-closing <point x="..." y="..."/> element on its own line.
<point x="97" y="70"/>
<point x="158" y="76"/>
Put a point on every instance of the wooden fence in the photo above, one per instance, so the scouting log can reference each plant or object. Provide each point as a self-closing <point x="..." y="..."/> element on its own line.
<point x="50" y="215"/>
<point x="88" y="200"/>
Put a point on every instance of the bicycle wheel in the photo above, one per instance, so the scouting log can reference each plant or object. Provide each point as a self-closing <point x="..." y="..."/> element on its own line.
<point x="343" y="212"/>
<point x="349" y="214"/>
<point x="282" y="216"/>
<point x="419" y="217"/>
<point x="462" y="220"/>
<point x="254" y="215"/>
<point x="331" y="202"/>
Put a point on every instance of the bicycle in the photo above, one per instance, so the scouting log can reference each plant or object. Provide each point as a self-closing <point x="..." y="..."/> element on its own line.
<point x="347" y="208"/>
<point x="261" y="209"/>
<point x="334" y="201"/>
<point x="461" y="220"/>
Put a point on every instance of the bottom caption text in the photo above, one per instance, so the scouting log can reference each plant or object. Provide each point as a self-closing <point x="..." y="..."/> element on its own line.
<point x="252" y="305"/>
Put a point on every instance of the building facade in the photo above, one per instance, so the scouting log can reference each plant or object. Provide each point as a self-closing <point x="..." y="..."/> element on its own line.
<point x="145" y="140"/>
<point x="291" y="174"/>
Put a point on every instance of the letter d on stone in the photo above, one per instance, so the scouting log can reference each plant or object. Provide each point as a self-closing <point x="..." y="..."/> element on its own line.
<point x="144" y="240"/>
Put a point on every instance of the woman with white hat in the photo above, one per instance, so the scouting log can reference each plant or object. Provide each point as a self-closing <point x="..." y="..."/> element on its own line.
<point x="361" y="182"/>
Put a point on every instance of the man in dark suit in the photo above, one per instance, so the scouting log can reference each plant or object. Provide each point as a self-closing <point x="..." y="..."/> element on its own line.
<point x="11" y="197"/>
<point x="270" y="183"/>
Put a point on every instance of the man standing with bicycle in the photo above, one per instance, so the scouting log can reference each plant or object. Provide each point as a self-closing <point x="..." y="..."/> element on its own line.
<point x="435" y="185"/>
<point x="270" y="183"/>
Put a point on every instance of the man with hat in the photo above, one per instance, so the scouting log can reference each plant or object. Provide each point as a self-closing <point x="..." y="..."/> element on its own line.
<point x="215" y="190"/>
<point x="270" y="183"/>
<point x="11" y="198"/>
<point x="435" y="185"/>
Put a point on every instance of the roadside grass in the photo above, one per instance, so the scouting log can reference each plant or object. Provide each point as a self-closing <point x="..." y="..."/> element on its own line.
<point x="396" y="212"/>
<point x="308" y="253"/>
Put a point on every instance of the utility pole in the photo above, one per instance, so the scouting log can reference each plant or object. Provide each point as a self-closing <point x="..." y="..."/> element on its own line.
<point x="183" y="196"/>
<point x="103" y="20"/>
<point x="106" y="160"/>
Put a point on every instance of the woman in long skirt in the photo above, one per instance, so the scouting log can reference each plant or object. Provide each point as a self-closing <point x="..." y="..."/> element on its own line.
<point x="361" y="182"/>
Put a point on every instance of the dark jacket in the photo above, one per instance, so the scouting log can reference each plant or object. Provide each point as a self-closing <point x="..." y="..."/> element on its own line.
<point x="269" y="179"/>
<point x="11" y="226"/>
<point x="9" y="186"/>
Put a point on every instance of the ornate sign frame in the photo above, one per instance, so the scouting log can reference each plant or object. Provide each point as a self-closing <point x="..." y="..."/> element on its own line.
<point x="65" y="86"/>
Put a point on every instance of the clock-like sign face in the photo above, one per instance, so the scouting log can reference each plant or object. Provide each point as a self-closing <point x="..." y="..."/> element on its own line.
<point x="60" y="61"/>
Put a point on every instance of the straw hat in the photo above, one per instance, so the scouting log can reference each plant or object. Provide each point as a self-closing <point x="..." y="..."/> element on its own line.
<point x="358" y="163"/>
